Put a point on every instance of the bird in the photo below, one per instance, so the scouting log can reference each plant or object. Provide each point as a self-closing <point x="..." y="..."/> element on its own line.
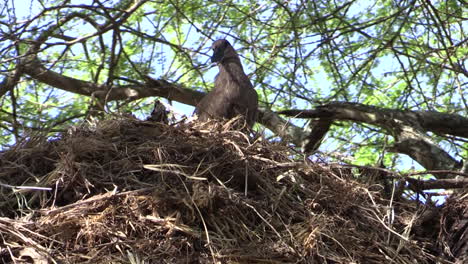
<point x="159" y="113"/>
<point x="233" y="93"/>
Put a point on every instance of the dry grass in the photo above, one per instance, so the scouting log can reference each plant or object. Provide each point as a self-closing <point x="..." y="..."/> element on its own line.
<point x="127" y="191"/>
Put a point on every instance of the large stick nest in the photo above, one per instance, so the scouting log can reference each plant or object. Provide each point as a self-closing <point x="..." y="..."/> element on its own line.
<point x="130" y="191"/>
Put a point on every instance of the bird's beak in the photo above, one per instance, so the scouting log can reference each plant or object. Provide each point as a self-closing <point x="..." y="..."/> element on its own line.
<point x="218" y="55"/>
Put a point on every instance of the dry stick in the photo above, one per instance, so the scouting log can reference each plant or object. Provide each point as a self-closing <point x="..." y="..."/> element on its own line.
<point x="27" y="230"/>
<point x="29" y="241"/>
<point x="246" y="183"/>
<point x="193" y="176"/>
<point x="35" y="188"/>
<point x="381" y="221"/>
<point x="95" y="199"/>
<point x="201" y="218"/>
<point x="390" y="211"/>
<point x="264" y="220"/>
<point x="157" y="167"/>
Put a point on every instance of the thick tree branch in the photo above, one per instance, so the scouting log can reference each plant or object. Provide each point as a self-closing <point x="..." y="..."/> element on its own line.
<point x="415" y="143"/>
<point x="279" y="126"/>
<point x="407" y="127"/>
<point x="421" y="185"/>
<point x="439" y="123"/>
<point x="34" y="68"/>
<point x="319" y="129"/>
<point x="10" y="81"/>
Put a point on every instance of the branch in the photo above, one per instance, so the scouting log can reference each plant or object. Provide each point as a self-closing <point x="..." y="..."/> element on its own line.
<point x="10" y="81"/>
<point x="421" y="185"/>
<point x="407" y="127"/>
<point x="283" y="128"/>
<point x="439" y="123"/>
<point x="319" y="129"/>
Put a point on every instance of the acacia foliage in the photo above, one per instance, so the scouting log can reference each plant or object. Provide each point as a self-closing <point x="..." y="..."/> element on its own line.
<point x="394" y="54"/>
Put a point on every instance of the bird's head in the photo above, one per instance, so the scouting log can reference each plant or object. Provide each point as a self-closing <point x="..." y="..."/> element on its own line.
<point x="222" y="50"/>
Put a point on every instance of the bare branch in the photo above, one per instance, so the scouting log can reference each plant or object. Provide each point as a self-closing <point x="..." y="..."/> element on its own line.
<point x="407" y="127"/>
<point x="439" y="123"/>
<point x="421" y="185"/>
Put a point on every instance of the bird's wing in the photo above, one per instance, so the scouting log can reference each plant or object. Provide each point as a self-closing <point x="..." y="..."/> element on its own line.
<point x="213" y="105"/>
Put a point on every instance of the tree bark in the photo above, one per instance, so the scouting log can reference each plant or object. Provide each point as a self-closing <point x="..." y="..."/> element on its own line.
<point x="407" y="127"/>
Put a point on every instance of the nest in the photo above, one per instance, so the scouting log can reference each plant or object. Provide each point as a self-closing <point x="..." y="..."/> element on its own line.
<point x="129" y="191"/>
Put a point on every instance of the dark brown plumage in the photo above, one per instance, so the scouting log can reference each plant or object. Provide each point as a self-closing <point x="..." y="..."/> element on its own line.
<point x="159" y="113"/>
<point x="233" y="93"/>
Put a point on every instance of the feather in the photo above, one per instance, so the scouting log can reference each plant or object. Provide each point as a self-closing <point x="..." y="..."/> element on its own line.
<point x="233" y="93"/>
